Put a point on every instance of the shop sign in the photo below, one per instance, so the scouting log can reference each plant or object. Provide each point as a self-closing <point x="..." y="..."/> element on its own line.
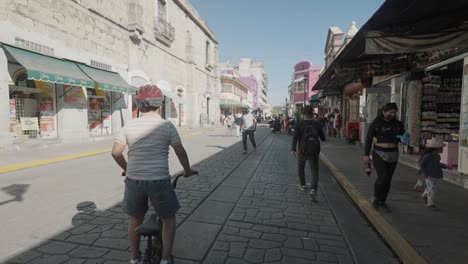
<point x="47" y="126"/>
<point x="29" y="123"/>
<point x="46" y="106"/>
<point x="73" y="95"/>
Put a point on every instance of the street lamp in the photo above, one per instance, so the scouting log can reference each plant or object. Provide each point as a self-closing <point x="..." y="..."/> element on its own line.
<point x="305" y="92"/>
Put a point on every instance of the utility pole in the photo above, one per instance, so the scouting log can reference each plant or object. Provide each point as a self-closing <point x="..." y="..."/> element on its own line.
<point x="305" y="91"/>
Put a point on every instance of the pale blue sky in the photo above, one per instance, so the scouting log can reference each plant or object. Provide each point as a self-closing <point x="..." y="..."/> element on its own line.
<point x="280" y="33"/>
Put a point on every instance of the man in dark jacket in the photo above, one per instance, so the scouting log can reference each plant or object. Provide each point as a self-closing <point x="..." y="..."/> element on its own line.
<point x="307" y="135"/>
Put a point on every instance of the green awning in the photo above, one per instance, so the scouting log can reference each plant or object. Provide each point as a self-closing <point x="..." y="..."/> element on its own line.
<point x="107" y="81"/>
<point x="315" y="97"/>
<point x="229" y="102"/>
<point x="48" y="69"/>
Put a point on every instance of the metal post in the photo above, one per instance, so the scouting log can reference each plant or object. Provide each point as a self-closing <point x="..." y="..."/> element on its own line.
<point x="305" y="92"/>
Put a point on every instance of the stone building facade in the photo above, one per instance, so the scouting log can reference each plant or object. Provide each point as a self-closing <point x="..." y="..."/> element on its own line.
<point x="131" y="42"/>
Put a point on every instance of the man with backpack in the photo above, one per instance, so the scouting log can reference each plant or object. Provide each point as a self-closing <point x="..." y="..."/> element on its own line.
<point x="308" y="134"/>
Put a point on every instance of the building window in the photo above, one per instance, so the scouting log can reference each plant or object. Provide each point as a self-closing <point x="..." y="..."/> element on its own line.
<point x="207" y="53"/>
<point x="226" y="88"/>
<point x="162" y="11"/>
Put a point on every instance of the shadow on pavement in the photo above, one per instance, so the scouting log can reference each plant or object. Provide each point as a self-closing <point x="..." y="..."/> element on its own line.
<point x="100" y="237"/>
<point x="15" y="190"/>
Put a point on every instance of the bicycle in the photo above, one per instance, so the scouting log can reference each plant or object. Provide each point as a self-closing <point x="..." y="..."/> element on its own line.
<point x="151" y="229"/>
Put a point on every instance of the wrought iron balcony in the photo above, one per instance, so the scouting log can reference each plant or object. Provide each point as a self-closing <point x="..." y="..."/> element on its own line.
<point x="164" y="31"/>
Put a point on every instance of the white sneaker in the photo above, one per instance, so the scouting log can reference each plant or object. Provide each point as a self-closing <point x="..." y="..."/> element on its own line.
<point x="302" y="187"/>
<point x="313" y="195"/>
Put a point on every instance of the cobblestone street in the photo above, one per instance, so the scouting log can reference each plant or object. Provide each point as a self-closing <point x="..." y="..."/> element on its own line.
<point x="240" y="209"/>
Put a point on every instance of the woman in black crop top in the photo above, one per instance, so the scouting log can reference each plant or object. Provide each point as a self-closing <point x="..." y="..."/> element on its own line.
<point x="387" y="130"/>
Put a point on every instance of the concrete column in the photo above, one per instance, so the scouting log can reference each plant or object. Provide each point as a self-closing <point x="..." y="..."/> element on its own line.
<point x="5" y="138"/>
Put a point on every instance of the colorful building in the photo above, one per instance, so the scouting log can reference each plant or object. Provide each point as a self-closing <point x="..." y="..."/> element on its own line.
<point x="303" y="80"/>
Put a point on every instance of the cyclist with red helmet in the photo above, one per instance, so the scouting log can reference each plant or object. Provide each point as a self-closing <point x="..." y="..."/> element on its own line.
<point x="147" y="172"/>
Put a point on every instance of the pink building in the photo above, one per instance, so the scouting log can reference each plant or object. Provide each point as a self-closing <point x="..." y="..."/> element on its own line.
<point x="304" y="74"/>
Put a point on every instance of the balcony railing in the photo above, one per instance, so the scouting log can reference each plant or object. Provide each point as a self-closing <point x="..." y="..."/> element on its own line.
<point x="164" y="31"/>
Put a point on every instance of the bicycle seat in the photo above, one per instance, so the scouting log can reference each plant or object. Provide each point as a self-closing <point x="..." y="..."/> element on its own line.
<point x="149" y="228"/>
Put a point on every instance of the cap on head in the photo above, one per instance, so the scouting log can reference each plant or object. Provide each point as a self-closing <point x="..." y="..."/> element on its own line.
<point x="149" y="96"/>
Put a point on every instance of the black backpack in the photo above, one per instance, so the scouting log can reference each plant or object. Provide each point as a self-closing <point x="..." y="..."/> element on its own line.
<point x="310" y="142"/>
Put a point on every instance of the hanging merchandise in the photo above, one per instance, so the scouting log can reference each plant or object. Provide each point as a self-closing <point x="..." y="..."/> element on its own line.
<point x="413" y="112"/>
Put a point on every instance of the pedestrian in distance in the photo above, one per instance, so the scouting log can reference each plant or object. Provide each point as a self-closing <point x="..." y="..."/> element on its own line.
<point x="147" y="172"/>
<point x="229" y="122"/>
<point x="238" y="124"/>
<point x="307" y="135"/>
<point x="387" y="130"/>
<point x="431" y="170"/>
<point x="248" y="127"/>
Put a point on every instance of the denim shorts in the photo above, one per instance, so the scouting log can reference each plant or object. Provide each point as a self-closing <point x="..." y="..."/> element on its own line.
<point x="159" y="192"/>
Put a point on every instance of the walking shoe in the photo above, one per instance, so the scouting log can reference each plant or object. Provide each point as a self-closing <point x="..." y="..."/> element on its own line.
<point x="137" y="260"/>
<point x="433" y="207"/>
<point x="313" y="195"/>
<point x="375" y="204"/>
<point x="424" y="198"/>
<point x="244" y="152"/>
<point x="385" y="207"/>
<point x="302" y="187"/>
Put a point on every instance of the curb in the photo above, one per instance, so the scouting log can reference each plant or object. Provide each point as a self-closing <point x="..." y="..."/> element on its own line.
<point x="397" y="242"/>
<point x="26" y="165"/>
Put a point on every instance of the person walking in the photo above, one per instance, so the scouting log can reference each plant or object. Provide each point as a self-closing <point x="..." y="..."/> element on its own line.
<point x="307" y="134"/>
<point x="238" y="124"/>
<point x="387" y="130"/>
<point x="229" y="122"/>
<point x="337" y="123"/>
<point x="248" y="127"/>
<point x="431" y="170"/>
<point x="147" y="172"/>
<point x="286" y="123"/>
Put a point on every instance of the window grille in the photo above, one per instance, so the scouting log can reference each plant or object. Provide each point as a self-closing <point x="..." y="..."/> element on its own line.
<point x="21" y="43"/>
<point x="101" y="65"/>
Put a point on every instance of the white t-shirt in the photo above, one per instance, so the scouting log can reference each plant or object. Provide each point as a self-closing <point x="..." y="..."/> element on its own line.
<point x="249" y="122"/>
<point x="148" y="139"/>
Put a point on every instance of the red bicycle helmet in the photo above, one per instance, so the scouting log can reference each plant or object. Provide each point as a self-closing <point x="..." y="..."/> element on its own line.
<point x="149" y="95"/>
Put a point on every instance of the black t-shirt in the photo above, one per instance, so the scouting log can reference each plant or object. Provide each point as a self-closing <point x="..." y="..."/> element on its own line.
<point x="384" y="131"/>
<point x="299" y="130"/>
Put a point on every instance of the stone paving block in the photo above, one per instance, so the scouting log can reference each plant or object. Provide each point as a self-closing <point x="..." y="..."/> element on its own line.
<point x="310" y="244"/>
<point x="266" y="229"/>
<point x="112" y="243"/>
<point x="240" y="224"/>
<point x="216" y="257"/>
<point x="25" y="257"/>
<point x="226" y="194"/>
<point x="293" y="242"/>
<point x="221" y="246"/>
<point x="335" y="250"/>
<point x="333" y="230"/>
<point x="105" y="221"/>
<point x="254" y="255"/>
<point x="56" y="247"/>
<point x="194" y="239"/>
<point x="230" y="230"/>
<point x="115" y="262"/>
<point x="87" y="252"/>
<point x="249" y="233"/>
<point x="114" y="234"/>
<point x="325" y="256"/>
<point x="274" y="237"/>
<point x="82" y="229"/>
<point x="62" y="236"/>
<point x="94" y="261"/>
<point x="212" y="212"/>
<point x="117" y="255"/>
<point x="274" y="254"/>
<point x="231" y="238"/>
<point x="299" y="253"/>
<point x="264" y="244"/>
<point x="75" y="261"/>
<point x="236" y="261"/>
<point x="50" y="259"/>
<point x="183" y="261"/>
<point x="237" y="249"/>
<point x="84" y="239"/>
<point x="289" y="260"/>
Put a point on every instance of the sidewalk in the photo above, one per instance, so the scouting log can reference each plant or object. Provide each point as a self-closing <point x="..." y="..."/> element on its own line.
<point x="439" y="236"/>
<point x="240" y="209"/>
<point x="45" y="152"/>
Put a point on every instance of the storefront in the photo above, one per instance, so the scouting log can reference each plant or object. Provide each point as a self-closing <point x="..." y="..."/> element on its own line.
<point x="49" y="97"/>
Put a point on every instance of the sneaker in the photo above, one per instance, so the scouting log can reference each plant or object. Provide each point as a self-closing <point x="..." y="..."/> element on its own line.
<point x="385" y="207"/>
<point x="313" y="195"/>
<point x="375" y="204"/>
<point x="302" y="187"/>
<point x="167" y="261"/>
<point x="244" y="152"/>
<point x="424" y="198"/>
<point x="433" y="207"/>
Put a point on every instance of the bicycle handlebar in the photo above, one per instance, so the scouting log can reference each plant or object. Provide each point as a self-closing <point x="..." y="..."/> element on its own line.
<point x="176" y="178"/>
